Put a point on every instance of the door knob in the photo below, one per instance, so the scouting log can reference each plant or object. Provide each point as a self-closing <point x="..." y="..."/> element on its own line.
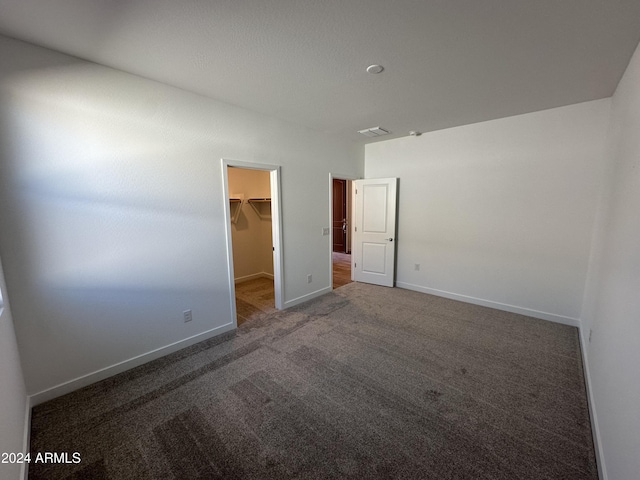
<point x="390" y="239"/>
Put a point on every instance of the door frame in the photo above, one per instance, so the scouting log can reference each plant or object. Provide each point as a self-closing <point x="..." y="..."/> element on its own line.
<point x="339" y="176"/>
<point x="276" y="228"/>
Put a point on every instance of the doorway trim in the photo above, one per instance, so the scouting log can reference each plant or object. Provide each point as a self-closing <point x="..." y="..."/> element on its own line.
<point x="339" y="176"/>
<point x="276" y="230"/>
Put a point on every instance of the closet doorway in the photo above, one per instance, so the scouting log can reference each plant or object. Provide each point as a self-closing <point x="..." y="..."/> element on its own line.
<point x="253" y="239"/>
<point x="341" y="230"/>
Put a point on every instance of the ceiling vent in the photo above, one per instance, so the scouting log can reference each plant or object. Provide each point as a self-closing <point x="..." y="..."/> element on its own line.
<point x="374" y="132"/>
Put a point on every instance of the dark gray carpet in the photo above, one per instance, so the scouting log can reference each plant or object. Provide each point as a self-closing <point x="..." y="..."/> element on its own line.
<point x="365" y="382"/>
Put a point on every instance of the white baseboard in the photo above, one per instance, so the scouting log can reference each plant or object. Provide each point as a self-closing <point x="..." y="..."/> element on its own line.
<point x="595" y="429"/>
<point x="253" y="276"/>
<point x="552" y="317"/>
<point x="88" y="379"/>
<point x="307" y="297"/>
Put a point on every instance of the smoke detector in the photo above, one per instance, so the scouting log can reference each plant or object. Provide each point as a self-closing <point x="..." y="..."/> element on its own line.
<point x="374" y="132"/>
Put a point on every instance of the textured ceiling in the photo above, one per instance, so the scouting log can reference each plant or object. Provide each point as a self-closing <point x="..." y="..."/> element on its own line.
<point x="447" y="62"/>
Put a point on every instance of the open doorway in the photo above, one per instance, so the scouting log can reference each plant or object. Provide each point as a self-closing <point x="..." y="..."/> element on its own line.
<point x="253" y="239"/>
<point x="341" y="228"/>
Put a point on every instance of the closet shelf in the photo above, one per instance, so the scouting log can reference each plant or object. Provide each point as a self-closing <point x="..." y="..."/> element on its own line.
<point x="262" y="207"/>
<point x="235" y="207"/>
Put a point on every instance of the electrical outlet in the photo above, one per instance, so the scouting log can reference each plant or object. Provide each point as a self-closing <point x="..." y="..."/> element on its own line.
<point x="309" y="278"/>
<point x="188" y="316"/>
<point x="325" y="231"/>
<point x="416" y="267"/>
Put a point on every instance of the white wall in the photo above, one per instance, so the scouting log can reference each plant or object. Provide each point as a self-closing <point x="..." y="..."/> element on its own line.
<point x="612" y="301"/>
<point x="252" y="240"/>
<point x="111" y="187"/>
<point x="501" y="212"/>
<point x="13" y="396"/>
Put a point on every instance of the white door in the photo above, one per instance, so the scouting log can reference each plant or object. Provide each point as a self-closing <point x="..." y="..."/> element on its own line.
<point x="375" y="231"/>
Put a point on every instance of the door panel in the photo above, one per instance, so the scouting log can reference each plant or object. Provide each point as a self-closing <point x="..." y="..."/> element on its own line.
<point x="375" y="231"/>
<point x="373" y="258"/>
<point x="339" y="215"/>
<point x="374" y="217"/>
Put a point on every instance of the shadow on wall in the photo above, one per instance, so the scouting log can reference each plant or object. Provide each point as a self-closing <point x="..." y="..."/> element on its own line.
<point x="111" y="220"/>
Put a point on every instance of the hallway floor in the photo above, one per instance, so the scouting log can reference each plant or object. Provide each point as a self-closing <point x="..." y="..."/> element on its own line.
<point x="341" y="269"/>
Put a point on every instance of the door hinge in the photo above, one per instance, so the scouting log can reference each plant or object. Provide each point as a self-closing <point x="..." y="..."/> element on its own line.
<point x="356" y="229"/>
<point x="356" y="191"/>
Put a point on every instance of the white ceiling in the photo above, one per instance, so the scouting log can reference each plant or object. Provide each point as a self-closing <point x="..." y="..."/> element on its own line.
<point x="447" y="62"/>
